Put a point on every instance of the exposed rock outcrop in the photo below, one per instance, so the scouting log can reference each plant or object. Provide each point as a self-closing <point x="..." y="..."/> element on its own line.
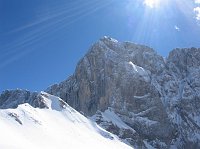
<point x="13" y="98"/>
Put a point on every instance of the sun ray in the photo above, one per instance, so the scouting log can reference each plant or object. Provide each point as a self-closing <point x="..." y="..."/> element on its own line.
<point x="62" y="22"/>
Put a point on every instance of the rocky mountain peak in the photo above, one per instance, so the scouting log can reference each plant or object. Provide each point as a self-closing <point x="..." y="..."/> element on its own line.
<point x="155" y="102"/>
<point x="140" y="87"/>
<point x="184" y="59"/>
<point x="109" y="49"/>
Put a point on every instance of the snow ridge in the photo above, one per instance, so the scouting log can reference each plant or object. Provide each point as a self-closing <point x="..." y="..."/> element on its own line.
<point x="56" y="126"/>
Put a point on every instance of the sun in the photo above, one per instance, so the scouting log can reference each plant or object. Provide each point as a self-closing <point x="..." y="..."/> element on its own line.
<point x="152" y="3"/>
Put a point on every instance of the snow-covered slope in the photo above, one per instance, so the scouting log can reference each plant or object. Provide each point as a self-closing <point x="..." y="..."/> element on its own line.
<point x="56" y="126"/>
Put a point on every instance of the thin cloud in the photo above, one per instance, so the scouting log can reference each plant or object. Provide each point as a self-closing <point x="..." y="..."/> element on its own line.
<point x="176" y="28"/>
<point x="197" y="12"/>
<point x="197" y="1"/>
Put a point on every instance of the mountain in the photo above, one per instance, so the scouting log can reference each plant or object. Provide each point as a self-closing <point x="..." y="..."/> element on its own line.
<point x="55" y="126"/>
<point x="131" y="91"/>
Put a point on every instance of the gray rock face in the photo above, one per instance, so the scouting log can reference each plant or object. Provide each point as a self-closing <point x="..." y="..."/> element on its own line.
<point x="180" y="93"/>
<point x="133" y="92"/>
<point x="13" y="98"/>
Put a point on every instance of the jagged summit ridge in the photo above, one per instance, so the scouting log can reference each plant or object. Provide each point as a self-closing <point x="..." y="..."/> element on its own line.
<point x="13" y="98"/>
<point x="140" y="55"/>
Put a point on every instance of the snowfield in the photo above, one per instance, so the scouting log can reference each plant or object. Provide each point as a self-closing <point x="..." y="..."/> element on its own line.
<point x="57" y="127"/>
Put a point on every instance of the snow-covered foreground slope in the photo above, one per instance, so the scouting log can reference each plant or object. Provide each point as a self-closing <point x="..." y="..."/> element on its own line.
<point x="57" y="126"/>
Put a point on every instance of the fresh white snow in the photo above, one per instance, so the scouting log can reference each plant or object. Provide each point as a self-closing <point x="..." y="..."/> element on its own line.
<point x="141" y="97"/>
<point x="60" y="127"/>
<point x="139" y="70"/>
<point x="110" y="116"/>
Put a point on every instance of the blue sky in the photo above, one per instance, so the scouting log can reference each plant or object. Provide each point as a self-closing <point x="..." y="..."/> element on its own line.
<point x="42" y="41"/>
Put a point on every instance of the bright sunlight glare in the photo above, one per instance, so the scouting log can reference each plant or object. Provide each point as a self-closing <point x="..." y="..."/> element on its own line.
<point x="152" y="3"/>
